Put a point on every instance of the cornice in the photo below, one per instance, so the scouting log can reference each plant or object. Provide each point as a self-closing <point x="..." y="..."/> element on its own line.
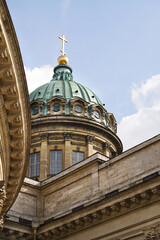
<point x="131" y="200"/>
<point x="14" y="102"/>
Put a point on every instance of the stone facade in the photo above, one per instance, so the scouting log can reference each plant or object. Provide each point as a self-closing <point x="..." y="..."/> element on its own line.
<point x="98" y="198"/>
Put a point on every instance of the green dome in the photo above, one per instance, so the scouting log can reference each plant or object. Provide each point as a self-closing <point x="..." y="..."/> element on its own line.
<point x="63" y="86"/>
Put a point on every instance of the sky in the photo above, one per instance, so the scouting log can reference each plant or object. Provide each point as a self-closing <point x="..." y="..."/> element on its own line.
<point x="113" y="48"/>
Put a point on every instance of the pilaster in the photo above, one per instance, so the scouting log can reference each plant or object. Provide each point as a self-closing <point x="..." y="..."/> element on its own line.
<point x="43" y="157"/>
<point x="68" y="150"/>
<point x="106" y="150"/>
<point x="89" y="141"/>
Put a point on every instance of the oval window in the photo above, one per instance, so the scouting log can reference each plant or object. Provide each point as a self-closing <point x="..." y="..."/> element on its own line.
<point x="35" y="111"/>
<point x="56" y="107"/>
<point x="96" y="114"/>
<point x="78" y="109"/>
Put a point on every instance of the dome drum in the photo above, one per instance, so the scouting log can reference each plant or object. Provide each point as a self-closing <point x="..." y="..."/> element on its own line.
<point x="70" y="135"/>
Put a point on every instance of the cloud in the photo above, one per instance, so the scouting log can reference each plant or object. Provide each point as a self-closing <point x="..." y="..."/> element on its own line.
<point x="145" y="123"/>
<point x="38" y="76"/>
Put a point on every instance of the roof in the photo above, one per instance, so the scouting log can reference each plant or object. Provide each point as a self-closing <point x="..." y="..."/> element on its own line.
<point x="62" y="85"/>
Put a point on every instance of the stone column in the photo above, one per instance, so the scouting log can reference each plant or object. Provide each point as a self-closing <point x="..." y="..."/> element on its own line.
<point x="68" y="150"/>
<point x="43" y="157"/>
<point x="89" y="140"/>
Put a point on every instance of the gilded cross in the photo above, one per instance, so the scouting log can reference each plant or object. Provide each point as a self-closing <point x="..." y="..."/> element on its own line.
<point x="63" y="41"/>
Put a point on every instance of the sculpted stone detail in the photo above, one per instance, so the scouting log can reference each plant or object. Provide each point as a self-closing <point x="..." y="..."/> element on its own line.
<point x="1" y="221"/>
<point x="79" y="222"/>
<point x="63" y="76"/>
<point x="12" y="105"/>
<point x="15" y="120"/>
<point x="17" y="144"/>
<point x="153" y="233"/>
<point x="146" y="195"/>
<point x="2" y="197"/>
<point x="89" y="139"/>
<point x="17" y="132"/>
<point x="9" y="90"/>
<point x="67" y="136"/>
<point x="6" y="73"/>
<point x="3" y="55"/>
<point x="44" y="136"/>
<point x="17" y="155"/>
<point x="125" y="203"/>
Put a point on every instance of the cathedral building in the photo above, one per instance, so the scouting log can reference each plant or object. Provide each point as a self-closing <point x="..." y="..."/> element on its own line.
<point x="79" y="184"/>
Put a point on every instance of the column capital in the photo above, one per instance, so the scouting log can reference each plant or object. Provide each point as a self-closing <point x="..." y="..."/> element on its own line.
<point x="106" y="145"/>
<point x="67" y="136"/>
<point x="44" y="136"/>
<point x="89" y="138"/>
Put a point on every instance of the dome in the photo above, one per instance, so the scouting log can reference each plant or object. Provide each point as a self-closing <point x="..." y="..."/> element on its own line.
<point x="63" y="96"/>
<point x="62" y="85"/>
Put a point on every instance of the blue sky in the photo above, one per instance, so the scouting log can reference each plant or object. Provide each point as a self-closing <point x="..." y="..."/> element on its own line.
<point x="113" y="48"/>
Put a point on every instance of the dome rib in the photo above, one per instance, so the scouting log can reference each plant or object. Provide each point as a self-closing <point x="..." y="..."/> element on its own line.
<point x="69" y="85"/>
<point x="83" y="96"/>
<point x="84" y="90"/>
<point x="45" y="91"/>
<point x="64" y="89"/>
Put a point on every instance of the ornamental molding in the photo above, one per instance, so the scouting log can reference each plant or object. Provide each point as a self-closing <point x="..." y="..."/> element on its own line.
<point x="2" y="199"/>
<point x="15" y="234"/>
<point x="105" y="214"/>
<point x="14" y="109"/>
<point x="153" y="233"/>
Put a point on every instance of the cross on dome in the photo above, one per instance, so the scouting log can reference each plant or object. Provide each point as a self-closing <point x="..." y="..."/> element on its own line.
<point x="63" y="41"/>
